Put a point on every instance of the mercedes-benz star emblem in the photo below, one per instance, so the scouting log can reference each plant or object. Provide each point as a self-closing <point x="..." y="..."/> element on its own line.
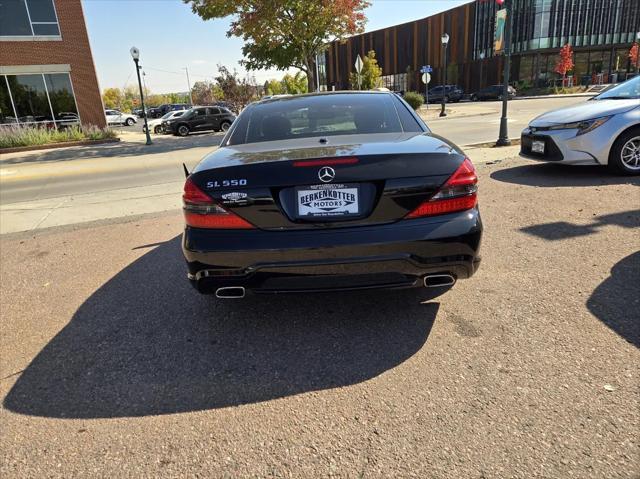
<point x="326" y="174"/>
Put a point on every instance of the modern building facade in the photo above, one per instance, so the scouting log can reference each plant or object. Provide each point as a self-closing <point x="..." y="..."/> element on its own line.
<point x="600" y="32"/>
<point x="47" y="75"/>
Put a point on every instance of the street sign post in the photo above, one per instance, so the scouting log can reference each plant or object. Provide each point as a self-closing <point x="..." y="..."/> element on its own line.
<point x="426" y="78"/>
<point x="359" y="64"/>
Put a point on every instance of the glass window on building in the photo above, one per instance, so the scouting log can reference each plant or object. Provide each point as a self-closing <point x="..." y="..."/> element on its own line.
<point x="38" y="99"/>
<point x="581" y="65"/>
<point x="6" y="110"/>
<point x="30" y="98"/>
<point x="63" y="103"/>
<point x="28" y="18"/>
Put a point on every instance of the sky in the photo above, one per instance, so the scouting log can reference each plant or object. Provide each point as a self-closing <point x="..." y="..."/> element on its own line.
<point x="171" y="38"/>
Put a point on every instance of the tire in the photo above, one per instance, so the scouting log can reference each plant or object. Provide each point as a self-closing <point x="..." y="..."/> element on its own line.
<point x="157" y="129"/>
<point x="224" y="126"/>
<point x="625" y="153"/>
<point x="129" y="121"/>
<point x="183" y="130"/>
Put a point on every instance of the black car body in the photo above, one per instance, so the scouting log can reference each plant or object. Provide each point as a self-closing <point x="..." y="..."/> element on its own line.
<point x="453" y="94"/>
<point x="154" y="112"/>
<point x="167" y="107"/>
<point x="330" y="191"/>
<point x="201" y="118"/>
<point x="493" y="92"/>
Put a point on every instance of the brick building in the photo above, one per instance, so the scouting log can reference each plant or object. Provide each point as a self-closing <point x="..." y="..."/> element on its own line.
<point x="47" y="74"/>
<point x="600" y="32"/>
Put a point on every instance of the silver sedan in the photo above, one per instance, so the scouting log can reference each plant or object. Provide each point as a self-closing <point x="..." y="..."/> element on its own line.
<point x="602" y="131"/>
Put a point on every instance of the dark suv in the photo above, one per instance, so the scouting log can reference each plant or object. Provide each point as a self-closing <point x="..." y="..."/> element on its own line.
<point x="201" y="118"/>
<point x="453" y="94"/>
<point x="493" y="92"/>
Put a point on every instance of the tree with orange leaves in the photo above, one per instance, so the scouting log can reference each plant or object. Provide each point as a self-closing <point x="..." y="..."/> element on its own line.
<point x="565" y="61"/>
<point x="285" y="34"/>
<point x="634" y="55"/>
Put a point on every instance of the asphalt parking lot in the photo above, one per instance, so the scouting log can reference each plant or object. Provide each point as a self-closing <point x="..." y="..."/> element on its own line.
<point x="113" y="366"/>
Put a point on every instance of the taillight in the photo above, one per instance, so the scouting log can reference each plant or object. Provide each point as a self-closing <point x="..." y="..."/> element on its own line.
<point x="459" y="193"/>
<point x="200" y="211"/>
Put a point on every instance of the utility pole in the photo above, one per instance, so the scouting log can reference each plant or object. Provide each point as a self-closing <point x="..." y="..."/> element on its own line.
<point x="503" y="136"/>
<point x="144" y="82"/>
<point x="189" y="85"/>
<point x="317" y="74"/>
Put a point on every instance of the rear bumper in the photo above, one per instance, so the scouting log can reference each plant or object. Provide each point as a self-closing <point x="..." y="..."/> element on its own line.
<point x="396" y="255"/>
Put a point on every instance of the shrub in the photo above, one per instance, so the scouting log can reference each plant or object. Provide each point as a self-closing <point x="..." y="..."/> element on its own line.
<point x="414" y="99"/>
<point x="14" y="136"/>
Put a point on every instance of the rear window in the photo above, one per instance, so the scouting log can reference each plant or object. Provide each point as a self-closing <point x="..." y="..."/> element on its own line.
<point x="321" y="115"/>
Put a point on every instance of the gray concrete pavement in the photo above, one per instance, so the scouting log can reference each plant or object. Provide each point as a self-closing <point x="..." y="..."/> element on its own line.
<point x="112" y="366"/>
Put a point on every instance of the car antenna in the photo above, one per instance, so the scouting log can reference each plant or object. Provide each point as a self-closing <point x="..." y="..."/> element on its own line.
<point x="186" y="172"/>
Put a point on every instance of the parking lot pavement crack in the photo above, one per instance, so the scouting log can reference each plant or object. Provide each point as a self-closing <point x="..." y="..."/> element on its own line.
<point x="49" y="213"/>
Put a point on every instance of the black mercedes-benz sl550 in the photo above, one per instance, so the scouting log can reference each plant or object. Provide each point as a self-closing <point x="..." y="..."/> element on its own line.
<point x="330" y="191"/>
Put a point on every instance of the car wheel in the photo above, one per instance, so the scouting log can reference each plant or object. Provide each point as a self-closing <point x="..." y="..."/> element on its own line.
<point x="183" y="130"/>
<point x="129" y="121"/>
<point x="625" y="153"/>
<point x="157" y="130"/>
<point x="474" y="98"/>
<point x="225" y="125"/>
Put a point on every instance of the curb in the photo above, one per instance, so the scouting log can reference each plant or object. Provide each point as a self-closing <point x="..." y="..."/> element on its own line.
<point x="548" y="97"/>
<point x="492" y="144"/>
<point x="63" y="144"/>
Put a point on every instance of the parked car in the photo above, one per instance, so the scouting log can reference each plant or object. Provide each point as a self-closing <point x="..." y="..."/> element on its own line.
<point x="116" y="117"/>
<point x="330" y="191"/>
<point x="202" y="118"/>
<point x="156" y="125"/>
<point x="153" y="112"/>
<point x="493" y="92"/>
<point x="167" y="107"/>
<point x="66" y="119"/>
<point x="602" y="131"/>
<point x="452" y="93"/>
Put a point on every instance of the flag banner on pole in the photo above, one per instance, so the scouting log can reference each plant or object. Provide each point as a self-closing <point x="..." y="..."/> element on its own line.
<point x="498" y="40"/>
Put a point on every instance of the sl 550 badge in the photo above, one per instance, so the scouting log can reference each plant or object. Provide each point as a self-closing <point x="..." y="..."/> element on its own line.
<point x="226" y="183"/>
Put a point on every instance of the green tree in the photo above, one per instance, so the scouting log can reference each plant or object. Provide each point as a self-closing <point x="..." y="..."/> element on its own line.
<point x="295" y="84"/>
<point x="112" y="97"/>
<point x="273" y="87"/>
<point x="370" y="76"/>
<point x="285" y="33"/>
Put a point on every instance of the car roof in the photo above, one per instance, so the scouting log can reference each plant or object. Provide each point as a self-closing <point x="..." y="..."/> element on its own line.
<point x="323" y="93"/>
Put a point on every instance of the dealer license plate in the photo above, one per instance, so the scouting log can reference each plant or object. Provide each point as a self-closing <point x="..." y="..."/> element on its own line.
<point x="537" y="146"/>
<point x="328" y="201"/>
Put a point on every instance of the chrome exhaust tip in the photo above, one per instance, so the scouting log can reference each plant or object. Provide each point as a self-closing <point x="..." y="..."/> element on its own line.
<point x="439" y="280"/>
<point x="230" y="292"/>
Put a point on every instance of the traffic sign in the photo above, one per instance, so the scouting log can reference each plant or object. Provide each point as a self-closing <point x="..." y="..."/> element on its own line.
<point x="359" y="64"/>
<point x="426" y="69"/>
<point x="426" y="78"/>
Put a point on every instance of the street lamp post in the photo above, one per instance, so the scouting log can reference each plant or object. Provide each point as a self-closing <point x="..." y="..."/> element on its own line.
<point x="503" y="136"/>
<point x="135" y="54"/>
<point x="445" y="40"/>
